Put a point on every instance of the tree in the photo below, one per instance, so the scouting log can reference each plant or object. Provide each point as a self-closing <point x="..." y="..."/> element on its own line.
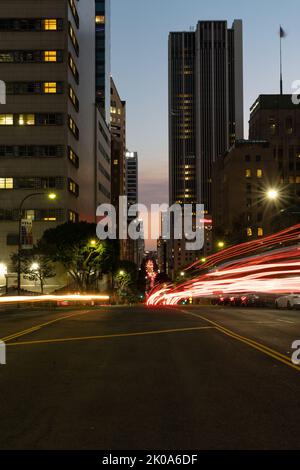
<point x="126" y="280"/>
<point x="35" y="266"/>
<point x="82" y="255"/>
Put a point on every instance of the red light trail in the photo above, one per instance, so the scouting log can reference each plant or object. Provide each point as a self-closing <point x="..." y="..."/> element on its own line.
<point x="269" y="265"/>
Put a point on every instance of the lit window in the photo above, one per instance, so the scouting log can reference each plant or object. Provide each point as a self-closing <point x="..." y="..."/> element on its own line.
<point x="29" y="215"/>
<point x="6" y="183"/>
<point x="249" y="232"/>
<point x="259" y="173"/>
<point x="100" y="19"/>
<point x="297" y="179"/>
<point x="116" y="162"/>
<point x="50" y="56"/>
<point x="26" y="120"/>
<point x="248" y="173"/>
<point x="6" y="119"/>
<point x="72" y="216"/>
<point x="260" y="232"/>
<point x="50" y="25"/>
<point x="50" y="87"/>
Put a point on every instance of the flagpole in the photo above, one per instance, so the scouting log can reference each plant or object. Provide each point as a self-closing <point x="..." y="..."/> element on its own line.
<point x="281" y="80"/>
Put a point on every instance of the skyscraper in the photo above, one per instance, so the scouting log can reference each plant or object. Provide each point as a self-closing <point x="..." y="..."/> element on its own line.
<point x="205" y="111"/>
<point x="103" y="56"/>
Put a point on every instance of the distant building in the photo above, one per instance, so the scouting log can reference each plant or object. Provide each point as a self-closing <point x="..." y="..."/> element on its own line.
<point x="118" y="151"/>
<point x="241" y="180"/>
<point x="131" y="162"/>
<point x="277" y="119"/>
<point x="103" y="56"/>
<point x="205" y="113"/>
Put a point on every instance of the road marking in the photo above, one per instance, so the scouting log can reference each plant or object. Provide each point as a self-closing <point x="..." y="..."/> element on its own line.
<point x="287" y="321"/>
<point x="38" y="327"/>
<point x="250" y="342"/>
<point x="117" y="335"/>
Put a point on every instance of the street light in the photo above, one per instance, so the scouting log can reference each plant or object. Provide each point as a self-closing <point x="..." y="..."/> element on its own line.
<point x="221" y="245"/>
<point x="3" y="269"/>
<point x="182" y="274"/>
<point x="93" y="242"/>
<point x="122" y="273"/>
<point x="52" y="197"/>
<point x="272" y="194"/>
<point x="34" y="267"/>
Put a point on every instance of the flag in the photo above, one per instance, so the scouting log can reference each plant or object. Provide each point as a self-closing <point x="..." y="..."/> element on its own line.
<point x="282" y="33"/>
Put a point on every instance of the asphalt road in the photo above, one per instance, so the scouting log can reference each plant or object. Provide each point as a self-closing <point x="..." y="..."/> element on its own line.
<point x="136" y="378"/>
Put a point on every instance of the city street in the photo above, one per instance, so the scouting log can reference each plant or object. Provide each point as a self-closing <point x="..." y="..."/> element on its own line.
<point x="138" y="378"/>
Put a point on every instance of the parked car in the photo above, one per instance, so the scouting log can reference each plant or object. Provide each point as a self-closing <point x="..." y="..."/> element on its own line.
<point x="288" y="301"/>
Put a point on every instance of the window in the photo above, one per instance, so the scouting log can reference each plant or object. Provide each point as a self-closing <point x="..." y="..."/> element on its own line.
<point x="249" y="232"/>
<point x="50" y="56"/>
<point x="248" y="173"/>
<point x="289" y="125"/>
<point x="73" y="128"/>
<point x="100" y="19"/>
<point x="49" y="119"/>
<point x="259" y="173"/>
<point x="73" y="68"/>
<point x="73" y="187"/>
<point x="26" y="120"/>
<point x="272" y="126"/>
<point x="73" y="38"/>
<point x="74" y="159"/>
<point x="30" y="24"/>
<point x="73" y="98"/>
<point x="6" y="56"/>
<point x="74" y="11"/>
<point x="6" y="119"/>
<point x="50" y="25"/>
<point x="73" y="217"/>
<point x="6" y="183"/>
<point x="260" y="232"/>
<point x="50" y="87"/>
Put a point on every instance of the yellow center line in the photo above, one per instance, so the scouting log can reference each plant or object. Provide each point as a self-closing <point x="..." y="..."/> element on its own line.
<point x="250" y="342"/>
<point x="117" y="335"/>
<point x="38" y="327"/>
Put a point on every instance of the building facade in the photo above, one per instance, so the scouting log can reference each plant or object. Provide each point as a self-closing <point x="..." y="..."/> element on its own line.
<point x="205" y="113"/>
<point x="241" y="181"/>
<point x="48" y="136"/>
<point x="118" y="152"/>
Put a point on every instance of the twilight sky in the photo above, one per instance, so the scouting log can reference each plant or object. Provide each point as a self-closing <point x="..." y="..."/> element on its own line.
<point x="140" y="66"/>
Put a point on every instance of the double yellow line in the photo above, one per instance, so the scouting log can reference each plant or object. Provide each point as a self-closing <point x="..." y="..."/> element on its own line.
<point x="250" y="342"/>
<point x="38" y="327"/>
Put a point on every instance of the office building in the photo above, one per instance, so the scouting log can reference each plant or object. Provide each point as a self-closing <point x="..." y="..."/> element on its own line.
<point x="242" y="179"/>
<point x="257" y="183"/>
<point x="205" y="112"/>
<point x="50" y="127"/>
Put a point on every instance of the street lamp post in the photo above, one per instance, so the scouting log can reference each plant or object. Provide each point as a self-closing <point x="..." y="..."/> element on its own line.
<point x="50" y="196"/>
